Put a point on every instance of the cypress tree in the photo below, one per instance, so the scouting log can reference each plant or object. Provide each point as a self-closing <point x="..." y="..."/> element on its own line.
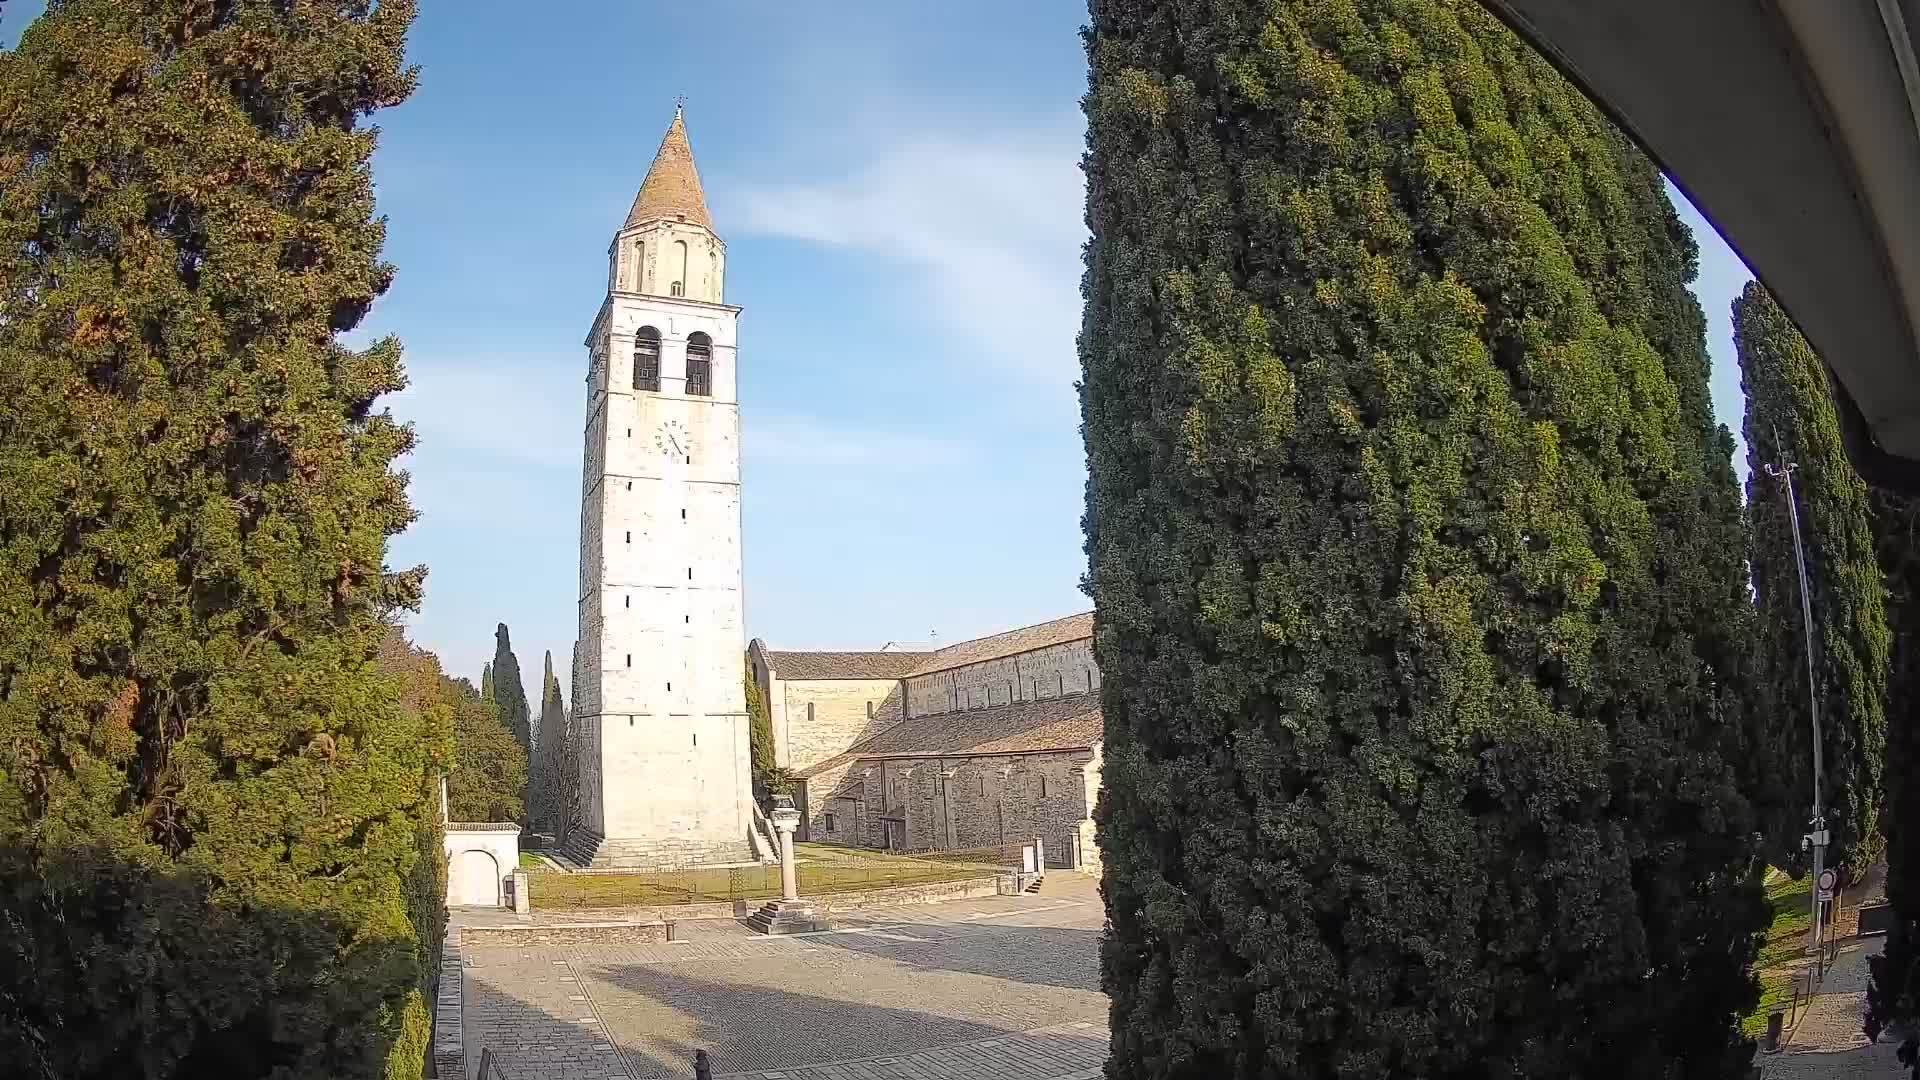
<point x="545" y="803"/>
<point x="1893" y="998"/>
<point x="1420" y="692"/>
<point x="486" y="683"/>
<point x="196" y="492"/>
<point x="1790" y="416"/>
<point x="759" y="735"/>
<point x="509" y="693"/>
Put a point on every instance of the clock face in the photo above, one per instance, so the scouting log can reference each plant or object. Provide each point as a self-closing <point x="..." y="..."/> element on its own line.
<point x="672" y="440"/>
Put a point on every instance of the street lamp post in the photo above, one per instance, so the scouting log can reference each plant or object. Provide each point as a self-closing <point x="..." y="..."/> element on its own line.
<point x="1815" y="841"/>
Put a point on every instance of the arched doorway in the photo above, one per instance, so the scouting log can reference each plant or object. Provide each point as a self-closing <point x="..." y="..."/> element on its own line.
<point x="473" y="880"/>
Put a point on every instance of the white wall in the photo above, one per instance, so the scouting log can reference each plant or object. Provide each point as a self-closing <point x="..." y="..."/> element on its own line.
<point x="479" y="858"/>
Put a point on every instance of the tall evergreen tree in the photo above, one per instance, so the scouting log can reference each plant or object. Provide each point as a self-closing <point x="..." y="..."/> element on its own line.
<point x="509" y="693"/>
<point x="196" y="492"/>
<point x="1790" y="417"/>
<point x="1893" y="999"/>
<point x="759" y="735"/>
<point x="488" y="780"/>
<point x="545" y="802"/>
<point x="1415" y="554"/>
<point x="486" y="683"/>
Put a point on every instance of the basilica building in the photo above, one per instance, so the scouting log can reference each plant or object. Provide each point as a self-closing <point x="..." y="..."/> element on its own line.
<point x="981" y="744"/>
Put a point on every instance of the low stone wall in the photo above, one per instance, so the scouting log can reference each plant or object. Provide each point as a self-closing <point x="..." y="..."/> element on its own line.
<point x="449" y="1041"/>
<point x="618" y="933"/>
<point x="932" y="892"/>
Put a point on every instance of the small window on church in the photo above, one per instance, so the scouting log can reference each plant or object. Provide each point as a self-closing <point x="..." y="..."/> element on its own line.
<point x="646" y="359"/>
<point x="699" y="365"/>
<point x="809" y="712"/>
<point x="1043" y="787"/>
<point x="830" y="826"/>
<point x="678" y="289"/>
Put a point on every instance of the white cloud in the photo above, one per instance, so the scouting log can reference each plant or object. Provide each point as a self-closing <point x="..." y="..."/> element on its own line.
<point x="796" y="440"/>
<point x="990" y="222"/>
<point x="523" y="410"/>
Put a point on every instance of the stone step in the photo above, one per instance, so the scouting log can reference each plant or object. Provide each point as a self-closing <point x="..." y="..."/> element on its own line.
<point x="788" y="917"/>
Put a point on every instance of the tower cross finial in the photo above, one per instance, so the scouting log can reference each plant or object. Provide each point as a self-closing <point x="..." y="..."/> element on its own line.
<point x="679" y="104"/>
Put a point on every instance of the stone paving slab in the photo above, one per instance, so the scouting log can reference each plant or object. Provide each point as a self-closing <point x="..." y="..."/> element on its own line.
<point x="1000" y="987"/>
<point x="1067" y="1052"/>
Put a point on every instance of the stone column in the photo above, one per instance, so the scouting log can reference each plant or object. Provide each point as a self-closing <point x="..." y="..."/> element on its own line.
<point x="785" y="821"/>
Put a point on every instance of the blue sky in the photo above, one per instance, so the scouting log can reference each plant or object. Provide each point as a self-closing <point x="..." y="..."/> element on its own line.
<point x="901" y="201"/>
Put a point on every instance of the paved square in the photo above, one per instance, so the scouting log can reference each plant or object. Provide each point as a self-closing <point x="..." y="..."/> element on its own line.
<point x="1001" y="987"/>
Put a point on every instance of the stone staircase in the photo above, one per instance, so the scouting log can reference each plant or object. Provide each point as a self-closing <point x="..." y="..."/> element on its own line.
<point x="760" y="836"/>
<point x="788" y="917"/>
<point x="588" y="850"/>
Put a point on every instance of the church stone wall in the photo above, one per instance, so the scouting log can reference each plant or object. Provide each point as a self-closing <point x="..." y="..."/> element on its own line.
<point x="960" y="802"/>
<point x="823" y="717"/>
<point x="1067" y="668"/>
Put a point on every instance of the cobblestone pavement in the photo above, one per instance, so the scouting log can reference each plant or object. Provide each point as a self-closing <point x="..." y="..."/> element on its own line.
<point x="997" y="987"/>
<point x="1828" y="1043"/>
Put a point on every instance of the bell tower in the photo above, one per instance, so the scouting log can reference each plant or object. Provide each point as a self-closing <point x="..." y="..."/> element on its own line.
<point x="660" y="710"/>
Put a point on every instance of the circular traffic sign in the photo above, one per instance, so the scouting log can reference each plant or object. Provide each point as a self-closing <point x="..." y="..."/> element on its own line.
<point x="1828" y="879"/>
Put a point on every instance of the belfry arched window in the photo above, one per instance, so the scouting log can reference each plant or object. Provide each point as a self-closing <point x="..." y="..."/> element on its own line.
<point x="646" y="359"/>
<point x="699" y="365"/>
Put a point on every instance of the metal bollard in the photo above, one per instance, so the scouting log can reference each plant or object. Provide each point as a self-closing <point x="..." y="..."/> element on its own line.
<point x="1775" y="1021"/>
<point x="702" y="1067"/>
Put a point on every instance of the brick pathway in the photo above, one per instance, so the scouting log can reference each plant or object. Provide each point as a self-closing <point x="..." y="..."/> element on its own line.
<point x="1000" y="987"/>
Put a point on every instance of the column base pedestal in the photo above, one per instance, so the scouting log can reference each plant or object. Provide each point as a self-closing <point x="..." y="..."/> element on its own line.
<point x="788" y="917"/>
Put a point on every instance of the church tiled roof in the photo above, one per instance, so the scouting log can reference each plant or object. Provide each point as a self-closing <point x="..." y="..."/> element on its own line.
<point x="843" y="665"/>
<point x="1063" y="723"/>
<point x="1025" y="639"/>
<point x="672" y="187"/>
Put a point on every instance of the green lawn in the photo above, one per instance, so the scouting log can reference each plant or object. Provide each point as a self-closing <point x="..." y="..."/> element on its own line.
<point x="553" y="890"/>
<point x="1785" y="942"/>
<point x="531" y="861"/>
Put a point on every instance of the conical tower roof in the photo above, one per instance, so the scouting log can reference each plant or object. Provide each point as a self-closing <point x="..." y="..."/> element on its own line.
<point x="672" y="188"/>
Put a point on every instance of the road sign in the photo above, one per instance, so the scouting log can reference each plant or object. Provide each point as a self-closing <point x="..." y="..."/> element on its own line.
<point x="1828" y="879"/>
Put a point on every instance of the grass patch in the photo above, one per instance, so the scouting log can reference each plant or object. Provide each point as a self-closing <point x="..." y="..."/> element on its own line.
<point x="1784" y="944"/>
<point x="531" y="861"/>
<point x="562" y="891"/>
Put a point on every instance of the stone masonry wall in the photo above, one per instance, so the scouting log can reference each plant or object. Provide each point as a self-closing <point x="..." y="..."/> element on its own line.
<point x="959" y="802"/>
<point x="824" y="718"/>
<point x="1030" y="676"/>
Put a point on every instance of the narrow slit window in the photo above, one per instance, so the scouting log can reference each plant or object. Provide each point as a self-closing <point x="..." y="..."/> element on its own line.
<point x="629" y="659"/>
<point x="1043" y="787"/>
<point x="699" y="365"/>
<point x="646" y="360"/>
<point x="629" y="601"/>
